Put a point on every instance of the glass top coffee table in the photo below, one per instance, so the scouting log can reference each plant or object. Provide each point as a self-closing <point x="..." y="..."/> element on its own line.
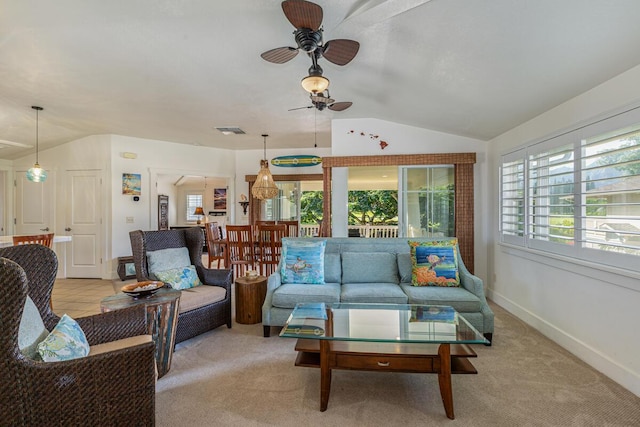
<point x="383" y="337"/>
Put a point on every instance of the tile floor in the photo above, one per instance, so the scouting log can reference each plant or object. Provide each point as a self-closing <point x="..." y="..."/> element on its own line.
<point x="81" y="297"/>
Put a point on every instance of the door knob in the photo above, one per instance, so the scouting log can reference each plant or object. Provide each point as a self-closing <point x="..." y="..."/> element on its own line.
<point x="67" y="229"/>
<point x="44" y="229"/>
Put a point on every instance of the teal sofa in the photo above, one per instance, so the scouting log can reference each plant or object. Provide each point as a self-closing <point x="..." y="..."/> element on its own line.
<point x="359" y="270"/>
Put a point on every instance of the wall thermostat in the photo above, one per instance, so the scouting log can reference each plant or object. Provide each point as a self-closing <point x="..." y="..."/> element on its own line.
<point x="136" y="198"/>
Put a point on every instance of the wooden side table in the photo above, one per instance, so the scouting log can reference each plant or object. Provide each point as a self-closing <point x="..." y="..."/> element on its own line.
<point x="162" y="319"/>
<point x="250" y="294"/>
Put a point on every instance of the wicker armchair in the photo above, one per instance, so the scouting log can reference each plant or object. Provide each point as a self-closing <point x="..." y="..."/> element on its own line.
<point x="197" y="321"/>
<point x="107" y="389"/>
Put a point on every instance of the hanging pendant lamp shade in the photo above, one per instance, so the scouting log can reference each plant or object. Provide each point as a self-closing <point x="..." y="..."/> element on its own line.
<point x="264" y="187"/>
<point x="36" y="173"/>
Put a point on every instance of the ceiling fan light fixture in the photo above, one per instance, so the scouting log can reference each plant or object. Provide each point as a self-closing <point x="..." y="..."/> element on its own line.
<point x="315" y="84"/>
<point x="264" y="187"/>
<point x="36" y="173"/>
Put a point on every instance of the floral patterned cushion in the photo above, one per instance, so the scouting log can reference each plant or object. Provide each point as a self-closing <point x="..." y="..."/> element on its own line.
<point x="65" y="342"/>
<point x="434" y="263"/>
<point x="180" y="278"/>
<point x="302" y="262"/>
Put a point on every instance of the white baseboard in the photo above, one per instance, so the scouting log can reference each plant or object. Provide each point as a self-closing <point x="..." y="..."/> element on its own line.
<point x="596" y="359"/>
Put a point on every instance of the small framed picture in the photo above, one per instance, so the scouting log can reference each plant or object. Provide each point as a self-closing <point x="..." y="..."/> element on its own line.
<point x="131" y="184"/>
<point x="219" y="199"/>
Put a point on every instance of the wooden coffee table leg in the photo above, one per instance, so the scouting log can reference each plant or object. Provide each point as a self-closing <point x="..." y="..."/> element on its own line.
<point x="325" y="375"/>
<point x="444" y="378"/>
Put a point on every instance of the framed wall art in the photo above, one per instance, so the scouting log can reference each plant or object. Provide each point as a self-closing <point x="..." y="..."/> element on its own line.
<point x="131" y="184"/>
<point x="219" y="199"/>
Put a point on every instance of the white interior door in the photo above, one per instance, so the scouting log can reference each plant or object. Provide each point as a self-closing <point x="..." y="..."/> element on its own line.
<point x="34" y="211"/>
<point x="84" y="224"/>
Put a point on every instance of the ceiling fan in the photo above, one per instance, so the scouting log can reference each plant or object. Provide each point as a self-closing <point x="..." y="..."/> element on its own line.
<point x="323" y="101"/>
<point x="306" y="17"/>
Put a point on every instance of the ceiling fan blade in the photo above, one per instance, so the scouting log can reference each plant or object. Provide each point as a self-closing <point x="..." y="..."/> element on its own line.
<point x="280" y="55"/>
<point x="300" y="108"/>
<point x="340" y="51"/>
<point x="303" y="14"/>
<point x="340" y="106"/>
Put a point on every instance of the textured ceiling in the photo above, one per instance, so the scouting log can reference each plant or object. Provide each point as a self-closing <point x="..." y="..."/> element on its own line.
<point x="175" y="69"/>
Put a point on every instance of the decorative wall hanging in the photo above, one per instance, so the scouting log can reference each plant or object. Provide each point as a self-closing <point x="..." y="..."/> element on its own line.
<point x="383" y="144"/>
<point x="298" y="161"/>
<point x="131" y="184"/>
<point x="219" y="199"/>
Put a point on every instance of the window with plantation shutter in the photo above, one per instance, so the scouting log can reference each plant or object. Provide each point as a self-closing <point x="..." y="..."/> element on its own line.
<point x="577" y="194"/>
<point x="193" y="200"/>
<point x="512" y="198"/>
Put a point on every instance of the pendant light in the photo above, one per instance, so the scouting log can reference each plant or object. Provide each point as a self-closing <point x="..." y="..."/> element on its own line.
<point x="264" y="187"/>
<point x="36" y="173"/>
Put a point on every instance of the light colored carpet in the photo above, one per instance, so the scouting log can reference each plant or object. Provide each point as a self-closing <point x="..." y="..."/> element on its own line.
<point x="235" y="377"/>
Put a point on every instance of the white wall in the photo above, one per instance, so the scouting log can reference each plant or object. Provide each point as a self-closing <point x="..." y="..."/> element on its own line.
<point x="591" y="311"/>
<point x="154" y="158"/>
<point x="89" y="153"/>
<point x="403" y="139"/>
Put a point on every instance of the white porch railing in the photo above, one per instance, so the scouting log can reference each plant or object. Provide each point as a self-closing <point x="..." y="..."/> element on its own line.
<point x="367" y="231"/>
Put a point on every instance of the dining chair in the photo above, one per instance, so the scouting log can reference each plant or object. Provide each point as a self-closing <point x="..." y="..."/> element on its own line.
<point x="40" y="239"/>
<point x="269" y="247"/>
<point x="240" y="247"/>
<point x="292" y="228"/>
<point x="215" y="244"/>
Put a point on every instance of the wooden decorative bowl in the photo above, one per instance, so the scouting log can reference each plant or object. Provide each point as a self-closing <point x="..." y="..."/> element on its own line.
<point x="142" y="289"/>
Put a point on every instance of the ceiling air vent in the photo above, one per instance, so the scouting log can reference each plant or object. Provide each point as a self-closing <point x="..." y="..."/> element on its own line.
<point x="231" y="130"/>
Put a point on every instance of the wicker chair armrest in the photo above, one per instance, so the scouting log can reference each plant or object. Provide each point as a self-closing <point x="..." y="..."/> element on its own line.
<point x="216" y="277"/>
<point x="114" y="325"/>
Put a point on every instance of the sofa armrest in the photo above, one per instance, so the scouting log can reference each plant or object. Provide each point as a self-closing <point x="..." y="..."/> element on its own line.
<point x="215" y="277"/>
<point x="471" y="283"/>
<point x="114" y="325"/>
<point x="273" y="282"/>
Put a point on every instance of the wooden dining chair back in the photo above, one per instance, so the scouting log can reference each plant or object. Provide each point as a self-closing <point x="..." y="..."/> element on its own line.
<point x="215" y="244"/>
<point x="269" y="247"/>
<point x="39" y="239"/>
<point x="240" y="247"/>
<point x="292" y="228"/>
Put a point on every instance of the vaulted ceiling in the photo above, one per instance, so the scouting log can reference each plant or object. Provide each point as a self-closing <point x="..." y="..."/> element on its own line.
<point x="174" y="70"/>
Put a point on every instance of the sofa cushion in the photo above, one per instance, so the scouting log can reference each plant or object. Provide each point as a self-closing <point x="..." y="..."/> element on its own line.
<point x="166" y="259"/>
<point x="459" y="298"/>
<point x="31" y="331"/>
<point x="180" y="277"/>
<point x="435" y="263"/>
<point x="302" y="261"/>
<point x="197" y="297"/>
<point x="65" y="342"/>
<point x="369" y="267"/>
<point x="332" y="268"/>
<point x="384" y="293"/>
<point x="288" y="295"/>
<point x="405" y="267"/>
<point x="120" y="344"/>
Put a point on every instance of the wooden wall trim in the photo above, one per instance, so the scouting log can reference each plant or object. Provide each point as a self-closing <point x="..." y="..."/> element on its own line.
<point x="399" y="160"/>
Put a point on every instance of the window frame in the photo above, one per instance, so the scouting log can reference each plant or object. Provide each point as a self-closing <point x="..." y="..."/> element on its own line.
<point x="615" y="125"/>
<point x="189" y="217"/>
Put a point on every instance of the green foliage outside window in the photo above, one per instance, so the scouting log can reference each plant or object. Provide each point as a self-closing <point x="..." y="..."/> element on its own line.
<point x="375" y="207"/>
